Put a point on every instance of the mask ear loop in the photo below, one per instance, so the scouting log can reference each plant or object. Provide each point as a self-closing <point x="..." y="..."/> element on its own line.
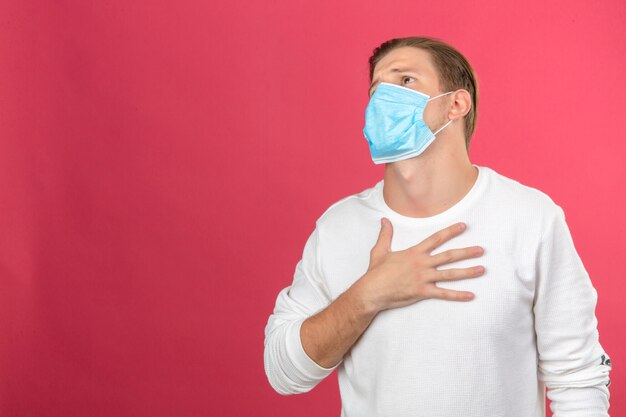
<point x="443" y="127"/>
<point x="450" y="121"/>
<point x="441" y="95"/>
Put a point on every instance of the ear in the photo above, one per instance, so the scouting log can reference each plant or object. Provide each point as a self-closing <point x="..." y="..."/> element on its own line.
<point x="461" y="104"/>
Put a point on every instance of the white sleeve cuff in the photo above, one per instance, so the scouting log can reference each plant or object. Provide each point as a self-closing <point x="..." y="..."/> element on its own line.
<point x="298" y="356"/>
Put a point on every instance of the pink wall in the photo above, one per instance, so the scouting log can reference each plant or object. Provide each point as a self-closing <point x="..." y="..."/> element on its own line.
<point x="162" y="163"/>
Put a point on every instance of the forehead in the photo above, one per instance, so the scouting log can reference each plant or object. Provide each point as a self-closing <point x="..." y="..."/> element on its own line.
<point x="406" y="58"/>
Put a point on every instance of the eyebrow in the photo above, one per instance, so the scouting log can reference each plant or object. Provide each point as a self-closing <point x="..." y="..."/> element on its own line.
<point x="411" y="70"/>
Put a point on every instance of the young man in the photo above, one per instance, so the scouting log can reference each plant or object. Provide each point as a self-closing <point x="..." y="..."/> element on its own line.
<point x="420" y="315"/>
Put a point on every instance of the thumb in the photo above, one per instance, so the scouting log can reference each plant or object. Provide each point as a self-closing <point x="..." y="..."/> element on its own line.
<point x="383" y="244"/>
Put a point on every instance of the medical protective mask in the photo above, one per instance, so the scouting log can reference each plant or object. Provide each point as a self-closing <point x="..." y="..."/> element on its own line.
<point x="394" y="123"/>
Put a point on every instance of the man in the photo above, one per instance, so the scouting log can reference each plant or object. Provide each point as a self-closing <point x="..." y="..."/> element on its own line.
<point x="512" y="312"/>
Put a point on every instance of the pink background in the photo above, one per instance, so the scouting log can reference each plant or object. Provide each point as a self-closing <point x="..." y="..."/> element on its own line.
<point x="162" y="164"/>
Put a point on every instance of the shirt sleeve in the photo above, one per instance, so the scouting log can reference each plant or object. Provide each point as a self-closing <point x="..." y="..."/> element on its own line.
<point x="571" y="361"/>
<point x="287" y="366"/>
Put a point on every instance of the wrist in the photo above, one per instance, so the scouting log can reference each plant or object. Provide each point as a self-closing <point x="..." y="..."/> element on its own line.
<point x="365" y="299"/>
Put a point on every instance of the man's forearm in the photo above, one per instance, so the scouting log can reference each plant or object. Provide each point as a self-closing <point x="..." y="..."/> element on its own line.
<point x="328" y="335"/>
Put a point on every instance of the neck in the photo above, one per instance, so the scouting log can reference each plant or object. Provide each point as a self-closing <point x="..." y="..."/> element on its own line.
<point x="430" y="183"/>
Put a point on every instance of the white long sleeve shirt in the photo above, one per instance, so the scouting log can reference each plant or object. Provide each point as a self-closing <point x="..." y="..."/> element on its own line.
<point x="531" y="324"/>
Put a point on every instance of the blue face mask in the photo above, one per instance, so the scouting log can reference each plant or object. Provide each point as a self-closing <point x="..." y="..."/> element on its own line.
<point x="394" y="123"/>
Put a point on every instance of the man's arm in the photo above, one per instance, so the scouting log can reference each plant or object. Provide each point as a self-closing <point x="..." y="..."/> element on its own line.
<point x="572" y="363"/>
<point x="307" y="335"/>
<point x="328" y="335"/>
<point x="287" y="366"/>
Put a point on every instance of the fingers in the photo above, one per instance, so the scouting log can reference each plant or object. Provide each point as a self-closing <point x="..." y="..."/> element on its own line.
<point x="451" y="295"/>
<point x="450" y="274"/>
<point x="383" y="244"/>
<point x="452" y="255"/>
<point x="433" y="241"/>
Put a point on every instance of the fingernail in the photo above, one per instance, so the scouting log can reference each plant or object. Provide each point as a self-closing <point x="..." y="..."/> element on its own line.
<point x="462" y="226"/>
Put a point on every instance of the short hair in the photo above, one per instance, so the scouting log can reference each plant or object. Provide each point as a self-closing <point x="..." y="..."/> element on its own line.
<point x="453" y="69"/>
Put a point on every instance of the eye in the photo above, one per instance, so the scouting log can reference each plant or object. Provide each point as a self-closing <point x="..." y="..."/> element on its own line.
<point x="405" y="78"/>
